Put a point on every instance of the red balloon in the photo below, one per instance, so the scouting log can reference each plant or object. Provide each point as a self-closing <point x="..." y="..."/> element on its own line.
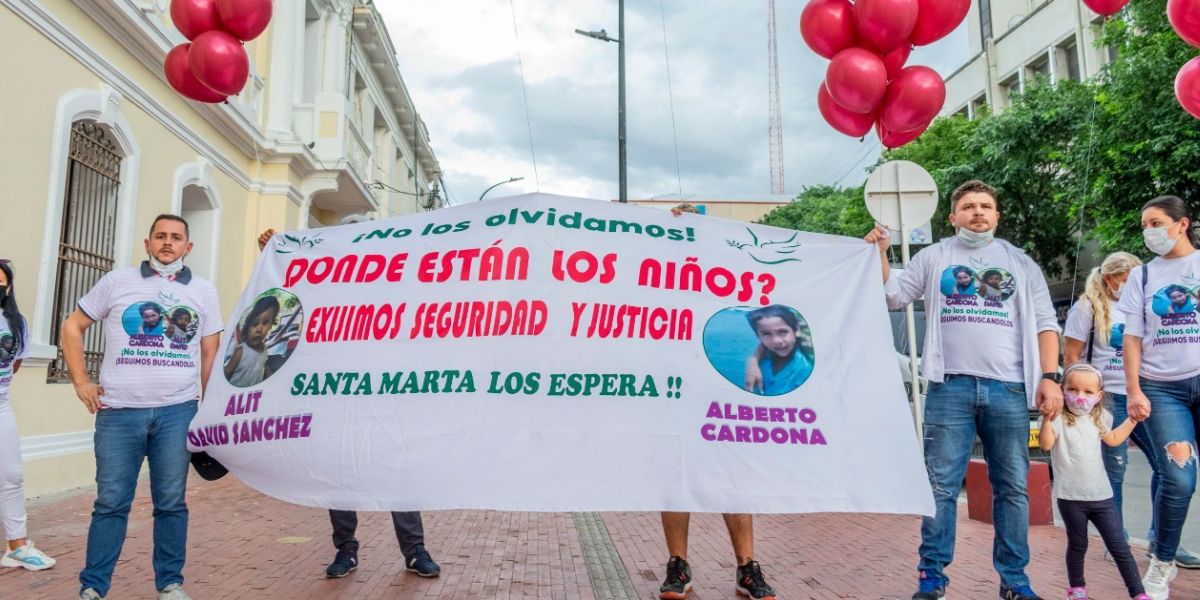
<point x="1187" y="87"/>
<point x="892" y="139"/>
<point x="1185" y="18"/>
<point x="179" y="75"/>
<point x="851" y="124"/>
<point x="856" y="80"/>
<point x="937" y="18"/>
<point x="194" y="17"/>
<point x="828" y="26"/>
<point x="914" y="97"/>
<point x="1106" y="7"/>
<point x="220" y="62"/>
<point x="885" y="24"/>
<point x="245" y="19"/>
<point x="894" y="60"/>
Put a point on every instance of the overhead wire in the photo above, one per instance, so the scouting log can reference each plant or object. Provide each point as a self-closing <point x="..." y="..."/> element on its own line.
<point x="1087" y="177"/>
<point x="871" y="149"/>
<point x="525" y="96"/>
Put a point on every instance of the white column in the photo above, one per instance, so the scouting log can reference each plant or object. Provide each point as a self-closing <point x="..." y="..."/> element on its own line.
<point x="287" y="33"/>
<point x="337" y="51"/>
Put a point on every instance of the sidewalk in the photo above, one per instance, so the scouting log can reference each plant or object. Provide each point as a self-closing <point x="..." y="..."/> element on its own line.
<point x="244" y="545"/>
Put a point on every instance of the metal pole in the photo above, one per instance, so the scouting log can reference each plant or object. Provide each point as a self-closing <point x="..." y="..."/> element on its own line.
<point x="917" y="398"/>
<point x="510" y="180"/>
<point x="624" y="193"/>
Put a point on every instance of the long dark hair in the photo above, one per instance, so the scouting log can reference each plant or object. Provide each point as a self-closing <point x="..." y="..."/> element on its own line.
<point x="16" y="323"/>
<point x="261" y="306"/>
<point x="1177" y="209"/>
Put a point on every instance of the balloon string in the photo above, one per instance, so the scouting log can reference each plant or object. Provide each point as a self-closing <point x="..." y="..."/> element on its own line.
<point x="1087" y="176"/>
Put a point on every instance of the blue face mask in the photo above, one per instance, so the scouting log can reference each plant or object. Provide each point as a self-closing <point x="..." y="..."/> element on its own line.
<point x="975" y="239"/>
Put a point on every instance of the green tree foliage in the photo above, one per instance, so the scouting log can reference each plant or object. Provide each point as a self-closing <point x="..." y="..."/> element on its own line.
<point x="1022" y="152"/>
<point x="824" y="209"/>
<point x="1143" y="144"/>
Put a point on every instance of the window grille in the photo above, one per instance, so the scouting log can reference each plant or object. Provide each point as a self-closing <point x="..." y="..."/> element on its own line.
<point x="87" y="239"/>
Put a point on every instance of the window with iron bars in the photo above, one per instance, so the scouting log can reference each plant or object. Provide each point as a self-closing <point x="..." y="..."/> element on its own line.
<point x="87" y="239"/>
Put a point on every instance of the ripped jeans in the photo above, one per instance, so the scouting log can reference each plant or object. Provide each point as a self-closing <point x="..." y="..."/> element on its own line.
<point x="955" y="412"/>
<point x="1174" y="413"/>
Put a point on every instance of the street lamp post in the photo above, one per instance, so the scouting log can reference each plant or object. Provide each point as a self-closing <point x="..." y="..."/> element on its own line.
<point x="494" y="186"/>
<point x="620" y="40"/>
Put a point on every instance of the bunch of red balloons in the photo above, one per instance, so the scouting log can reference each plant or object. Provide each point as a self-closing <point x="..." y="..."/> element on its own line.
<point x="866" y="85"/>
<point x="215" y="64"/>
<point x="1185" y="18"/>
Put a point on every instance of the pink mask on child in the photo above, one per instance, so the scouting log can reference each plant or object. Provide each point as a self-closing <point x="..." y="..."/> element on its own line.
<point x="1079" y="405"/>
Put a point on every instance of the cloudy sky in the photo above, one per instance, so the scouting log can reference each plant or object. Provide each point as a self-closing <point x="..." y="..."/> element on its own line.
<point x="507" y="89"/>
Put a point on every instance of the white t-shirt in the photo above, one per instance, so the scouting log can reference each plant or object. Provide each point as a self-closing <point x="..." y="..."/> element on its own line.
<point x="142" y="367"/>
<point x="1107" y="346"/>
<point x="10" y="352"/>
<point x="1163" y="313"/>
<point x="250" y="368"/>
<point x="1077" y="459"/>
<point x="977" y="308"/>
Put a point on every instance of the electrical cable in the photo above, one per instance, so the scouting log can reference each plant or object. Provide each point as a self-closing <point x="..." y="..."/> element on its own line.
<point x="525" y="96"/>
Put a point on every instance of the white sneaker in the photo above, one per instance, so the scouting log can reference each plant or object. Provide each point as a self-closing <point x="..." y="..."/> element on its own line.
<point x="1157" y="577"/>
<point x="173" y="591"/>
<point x="89" y="594"/>
<point x="28" y="557"/>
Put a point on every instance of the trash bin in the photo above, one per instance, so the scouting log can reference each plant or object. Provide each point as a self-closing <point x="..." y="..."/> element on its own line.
<point x="1037" y="485"/>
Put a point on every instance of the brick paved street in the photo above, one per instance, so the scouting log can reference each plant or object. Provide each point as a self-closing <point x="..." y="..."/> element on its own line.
<point x="244" y="545"/>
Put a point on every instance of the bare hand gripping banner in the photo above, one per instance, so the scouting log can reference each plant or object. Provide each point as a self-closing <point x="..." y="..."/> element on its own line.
<point x="549" y="353"/>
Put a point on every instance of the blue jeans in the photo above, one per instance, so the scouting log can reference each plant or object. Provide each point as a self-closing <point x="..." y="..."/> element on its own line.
<point x="124" y="438"/>
<point x="955" y="411"/>
<point x="1116" y="459"/>
<point x="1174" y="412"/>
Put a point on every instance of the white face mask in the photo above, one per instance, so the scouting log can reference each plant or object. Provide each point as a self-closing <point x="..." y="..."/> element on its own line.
<point x="975" y="239"/>
<point x="1116" y="292"/>
<point x="1158" y="240"/>
<point x="166" y="269"/>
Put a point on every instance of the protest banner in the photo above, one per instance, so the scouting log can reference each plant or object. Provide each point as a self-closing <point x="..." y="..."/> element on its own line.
<point x="549" y="353"/>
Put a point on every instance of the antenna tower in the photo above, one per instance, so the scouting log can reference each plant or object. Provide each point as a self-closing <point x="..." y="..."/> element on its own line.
<point x="774" y="117"/>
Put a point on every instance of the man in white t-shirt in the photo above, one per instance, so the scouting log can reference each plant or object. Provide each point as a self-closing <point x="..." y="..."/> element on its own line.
<point x="989" y="358"/>
<point x="149" y="387"/>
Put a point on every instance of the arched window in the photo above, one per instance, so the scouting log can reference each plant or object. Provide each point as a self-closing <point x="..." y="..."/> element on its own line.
<point x="87" y="237"/>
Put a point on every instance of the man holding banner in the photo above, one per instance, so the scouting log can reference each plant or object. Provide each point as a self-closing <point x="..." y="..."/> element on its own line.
<point x="149" y="389"/>
<point x="988" y="361"/>
<point x="410" y="531"/>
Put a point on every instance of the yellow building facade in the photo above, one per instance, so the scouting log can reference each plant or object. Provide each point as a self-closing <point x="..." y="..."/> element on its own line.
<point x="99" y="144"/>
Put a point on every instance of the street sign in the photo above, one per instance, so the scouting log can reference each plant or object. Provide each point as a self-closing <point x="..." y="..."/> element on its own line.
<point x="902" y="196"/>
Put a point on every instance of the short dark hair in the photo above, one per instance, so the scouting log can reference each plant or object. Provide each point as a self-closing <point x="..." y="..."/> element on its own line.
<point x="969" y="187"/>
<point x="1177" y="209"/>
<point x="990" y="272"/>
<point x="169" y="217"/>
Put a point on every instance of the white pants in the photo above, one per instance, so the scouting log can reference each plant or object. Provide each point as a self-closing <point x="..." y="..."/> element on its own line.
<point x="12" y="493"/>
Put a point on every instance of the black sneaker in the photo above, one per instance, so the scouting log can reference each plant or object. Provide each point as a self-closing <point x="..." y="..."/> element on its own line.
<point x="930" y="587"/>
<point x="750" y="582"/>
<point x="342" y="564"/>
<point x="422" y="564"/>
<point x="678" y="582"/>
<point x="1021" y="592"/>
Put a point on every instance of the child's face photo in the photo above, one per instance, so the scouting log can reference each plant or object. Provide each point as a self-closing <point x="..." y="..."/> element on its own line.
<point x="963" y="278"/>
<point x="776" y="336"/>
<point x="150" y="318"/>
<point x="259" y="328"/>
<point x="1082" y="383"/>
<point x="8" y="343"/>
<point x="994" y="280"/>
<point x="183" y="320"/>
<point x="1178" y="297"/>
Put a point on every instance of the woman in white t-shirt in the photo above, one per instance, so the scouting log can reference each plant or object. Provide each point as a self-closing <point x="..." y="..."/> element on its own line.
<point x="14" y="337"/>
<point x="1162" y="372"/>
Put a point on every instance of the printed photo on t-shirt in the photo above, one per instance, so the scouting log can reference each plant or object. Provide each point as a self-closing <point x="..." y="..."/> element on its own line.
<point x="996" y="285"/>
<point x="8" y="350"/>
<point x="181" y="325"/>
<point x="776" y="337"/>
<point x="266" y="336"/>
<point x="1116" y="339"/>
<point x="143" y="319"/>
<point x="1175" y="303"/>
<point x="959" y="280"/>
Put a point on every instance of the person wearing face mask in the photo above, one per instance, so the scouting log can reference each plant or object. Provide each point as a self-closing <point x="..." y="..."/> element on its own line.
<point x="1162" y="374"/>
<point x="988" y="362"/>
<point x="1081" y="485"/>
<point x="144" y="404"/>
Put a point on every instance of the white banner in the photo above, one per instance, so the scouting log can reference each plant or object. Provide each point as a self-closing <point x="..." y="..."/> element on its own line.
<point x="548" y="353"/>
